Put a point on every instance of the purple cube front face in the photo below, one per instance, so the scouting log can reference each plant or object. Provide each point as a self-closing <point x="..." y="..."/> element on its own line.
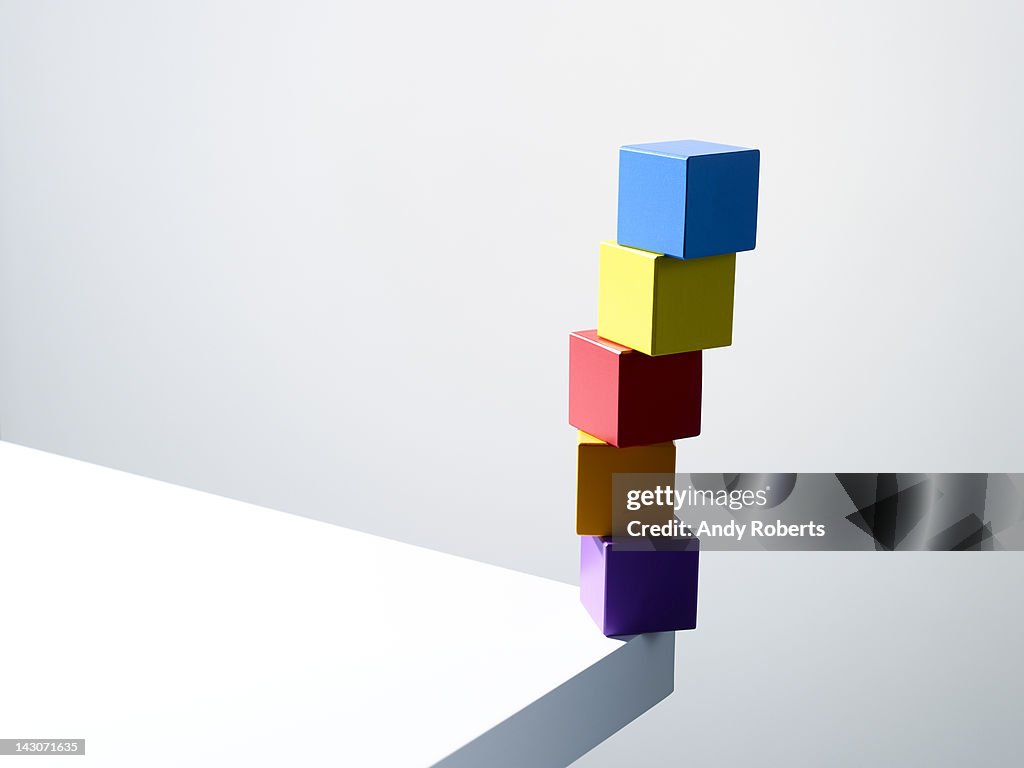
<point x="639" y="589"/>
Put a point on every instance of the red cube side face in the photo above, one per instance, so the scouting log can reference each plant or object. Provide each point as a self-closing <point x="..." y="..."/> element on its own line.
<point x="627" y="398"/>
<point x="659" y="397"/>
<point x="594" y="385"/>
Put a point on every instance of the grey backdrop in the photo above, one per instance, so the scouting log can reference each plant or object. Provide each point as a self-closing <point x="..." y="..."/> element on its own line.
<point x="325" y="257"/>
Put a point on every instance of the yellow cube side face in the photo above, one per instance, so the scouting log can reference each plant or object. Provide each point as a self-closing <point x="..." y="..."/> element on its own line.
<point x="693" y="303"/>
<point x="596" y="463"/>
<point x="625" y="303"/>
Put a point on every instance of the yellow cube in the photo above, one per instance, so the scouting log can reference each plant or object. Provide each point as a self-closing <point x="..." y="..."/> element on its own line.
<point x="660" y="305"/>
<point x="596" y="463"/>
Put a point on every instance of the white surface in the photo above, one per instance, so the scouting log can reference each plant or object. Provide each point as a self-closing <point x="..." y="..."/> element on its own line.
<point x="170" y="627"/>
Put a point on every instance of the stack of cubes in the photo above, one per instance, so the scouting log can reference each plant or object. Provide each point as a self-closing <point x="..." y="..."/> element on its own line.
<point x="666" y="293"/>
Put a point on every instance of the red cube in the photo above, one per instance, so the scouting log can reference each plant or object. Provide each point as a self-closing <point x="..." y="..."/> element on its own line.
<point x="626" y="398"/>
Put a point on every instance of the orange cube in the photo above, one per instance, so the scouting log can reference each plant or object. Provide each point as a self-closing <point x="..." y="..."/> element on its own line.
<point x="596" y="463"/>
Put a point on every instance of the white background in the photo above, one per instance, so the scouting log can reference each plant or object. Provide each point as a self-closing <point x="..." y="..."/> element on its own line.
<point x="325" y="257"/>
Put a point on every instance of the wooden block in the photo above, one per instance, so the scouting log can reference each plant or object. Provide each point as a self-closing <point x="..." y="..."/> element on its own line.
<point x="688" y="199"/>
<point x="596" y="463"/>
<point x="627" y="398"/>
<point x="659" y="305"/>
<point x="629" y="591"/>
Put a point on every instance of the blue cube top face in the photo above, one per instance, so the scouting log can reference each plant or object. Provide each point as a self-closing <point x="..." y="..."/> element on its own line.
<point x="685" y="148"/>
<point x="688" y="199"/>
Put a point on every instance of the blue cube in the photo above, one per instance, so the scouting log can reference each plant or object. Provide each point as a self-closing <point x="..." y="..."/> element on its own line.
<point x="688" y="199"/>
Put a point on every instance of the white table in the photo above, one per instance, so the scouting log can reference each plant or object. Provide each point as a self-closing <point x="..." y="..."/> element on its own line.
<point x="171" y="627"/>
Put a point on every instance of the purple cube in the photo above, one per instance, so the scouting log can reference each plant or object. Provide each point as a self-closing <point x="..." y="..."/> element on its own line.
<point x="649" y="586"/>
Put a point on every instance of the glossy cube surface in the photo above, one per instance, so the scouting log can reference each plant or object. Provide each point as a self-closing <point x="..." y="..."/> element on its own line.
<point x="627" y="398"/>
<point x="688" y="199"/>
<point x="596" y="464"/>
<point x="629" y="591"/>
<point x="659" y="305"/>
